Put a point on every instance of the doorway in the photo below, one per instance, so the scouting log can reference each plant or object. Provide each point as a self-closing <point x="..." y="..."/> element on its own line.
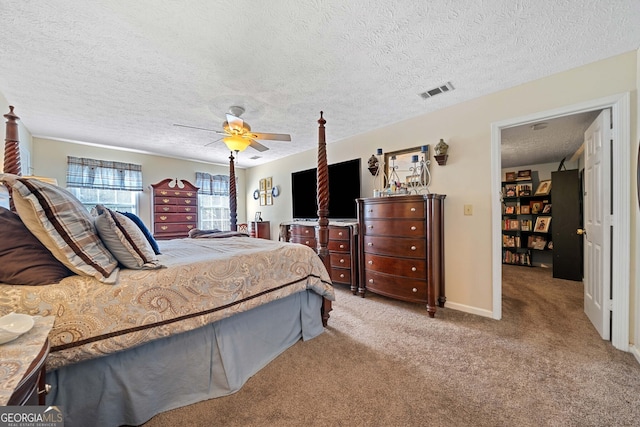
<point x="620" y="253"/>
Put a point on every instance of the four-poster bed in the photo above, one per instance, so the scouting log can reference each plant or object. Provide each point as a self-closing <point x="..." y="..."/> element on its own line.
<point x="131" y="343"/>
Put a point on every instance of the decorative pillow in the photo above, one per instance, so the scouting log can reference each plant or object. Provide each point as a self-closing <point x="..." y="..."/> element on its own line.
<point x="63" y="225"/>
<point x="133" y="217"/>
<point x="24" y="260"/>
<point x="125" y="240"/>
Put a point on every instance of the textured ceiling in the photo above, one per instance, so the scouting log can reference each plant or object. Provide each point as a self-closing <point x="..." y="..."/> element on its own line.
<point x="121" y="72"/>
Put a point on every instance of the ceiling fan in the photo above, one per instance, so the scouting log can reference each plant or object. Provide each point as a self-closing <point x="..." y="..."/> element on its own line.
<point x="238" y="135"/>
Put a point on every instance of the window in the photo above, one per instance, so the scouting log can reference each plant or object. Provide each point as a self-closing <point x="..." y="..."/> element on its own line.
<point x="112" y="184"/>
<point x="213" y="201"/>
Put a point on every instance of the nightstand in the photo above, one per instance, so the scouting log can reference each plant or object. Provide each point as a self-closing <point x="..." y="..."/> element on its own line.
<point x="22" y="377"/>
<point x="31" y="390"/>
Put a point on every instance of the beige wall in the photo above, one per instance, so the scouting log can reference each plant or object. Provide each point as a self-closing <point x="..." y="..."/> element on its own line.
<point x="466" y="179"/>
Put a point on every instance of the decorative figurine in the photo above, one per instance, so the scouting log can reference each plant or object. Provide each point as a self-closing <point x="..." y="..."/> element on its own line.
<point x="441" y="148"/>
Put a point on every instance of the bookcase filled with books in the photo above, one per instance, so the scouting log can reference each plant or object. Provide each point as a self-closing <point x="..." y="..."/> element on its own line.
<point x="526" y="218"/>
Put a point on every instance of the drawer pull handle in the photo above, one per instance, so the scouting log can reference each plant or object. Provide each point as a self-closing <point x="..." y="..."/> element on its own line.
<point x="413" y="209"/>
<point x="414" y="269"/>
<point x="370" y="262"/>
<point x="187" y="209"/>
<point x="163" y="227"/>
<point x="165" y="200"/>
<point x="189" y="217"/>
<point x="47" y="389"/>
<point x="341" y="246"/>
<point x="163" y="218"/>
<point x="306" y="231"/>
<point x="339" y="233"/>
<point x="370" y="280"/>
<point x="187" y="202"/>
<point x="166" y="209"/>
<point x="370" y="227"/>
<point x="164" y="192"/>
<point x="342" y="275"/>
<point x="341" y="260"/>
<point x="370" y="210"/>
<point x="370" y="244"/>
<point x="413" y="248"/>
<point x="414" y="290"/>
<point x="413" y="228"/>
<point x="306" y="243"/>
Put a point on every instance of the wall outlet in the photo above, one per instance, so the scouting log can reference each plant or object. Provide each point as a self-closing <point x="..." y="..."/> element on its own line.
<point x="468" y="209"/>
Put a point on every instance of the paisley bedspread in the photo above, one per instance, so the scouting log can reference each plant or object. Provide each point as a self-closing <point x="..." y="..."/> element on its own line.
<point x="204" y="280"/>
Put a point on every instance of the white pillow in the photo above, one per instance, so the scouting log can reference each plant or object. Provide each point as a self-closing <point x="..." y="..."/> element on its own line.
<point x="125" y="240"/>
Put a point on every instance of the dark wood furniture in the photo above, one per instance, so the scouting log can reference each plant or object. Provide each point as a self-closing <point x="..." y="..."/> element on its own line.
<point x="401" y="248"/>
<point x="32" y="388"/>
<point x="567" y="219"/>
<point x="342" y="246"/>
<point x="261" y="229"/>
<point x="175" y="208"/>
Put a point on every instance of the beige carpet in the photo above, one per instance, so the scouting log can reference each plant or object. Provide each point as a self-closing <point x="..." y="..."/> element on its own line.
<point x="386" y="363"/>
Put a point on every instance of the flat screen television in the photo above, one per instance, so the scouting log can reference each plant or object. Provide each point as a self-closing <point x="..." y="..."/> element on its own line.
<point x="344" y="189"/>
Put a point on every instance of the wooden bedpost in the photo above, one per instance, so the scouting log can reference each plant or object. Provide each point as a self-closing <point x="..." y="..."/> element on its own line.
<point x="233" y="203"/>
<point x="323" y="209"/>
<point x="12" y="144"/>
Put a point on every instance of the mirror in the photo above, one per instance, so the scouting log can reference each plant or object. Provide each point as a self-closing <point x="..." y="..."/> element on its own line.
<point x="403" y="162"/>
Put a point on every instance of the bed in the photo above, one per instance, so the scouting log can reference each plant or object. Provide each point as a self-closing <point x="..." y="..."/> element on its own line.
<point x="154" y="332"/>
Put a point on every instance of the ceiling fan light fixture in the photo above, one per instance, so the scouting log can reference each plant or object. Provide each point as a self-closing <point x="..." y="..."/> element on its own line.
<point x="236" y="142"/>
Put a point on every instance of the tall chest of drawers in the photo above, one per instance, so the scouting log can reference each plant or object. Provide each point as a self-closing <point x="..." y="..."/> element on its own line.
<point x="342" y="249"/>
<point x="401" y="248"/>
<point x="175" y="208"/>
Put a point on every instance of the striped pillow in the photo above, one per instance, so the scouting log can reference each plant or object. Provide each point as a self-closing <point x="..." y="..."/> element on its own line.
<point x="125" y="240"/>
<point x="64" y="226"/>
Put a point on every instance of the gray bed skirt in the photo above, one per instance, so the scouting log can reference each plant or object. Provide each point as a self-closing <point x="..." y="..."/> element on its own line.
<point x="130" y="387"/>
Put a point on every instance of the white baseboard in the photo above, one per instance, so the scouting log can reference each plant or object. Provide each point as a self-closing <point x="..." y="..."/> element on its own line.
<point x="635" y="351"/>
<point x="469" y="309"/>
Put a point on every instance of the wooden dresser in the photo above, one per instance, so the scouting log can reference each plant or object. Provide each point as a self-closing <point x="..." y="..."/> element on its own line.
<point x="342" y="247"/>
<point x="401" y="248"/>
<point x="175" y="208"/>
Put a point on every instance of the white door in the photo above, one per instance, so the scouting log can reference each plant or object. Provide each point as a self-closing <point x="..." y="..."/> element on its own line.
<point x="597" y="223"/>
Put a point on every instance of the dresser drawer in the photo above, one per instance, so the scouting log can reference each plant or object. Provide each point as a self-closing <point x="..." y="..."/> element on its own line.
<point x="341" y="275"/>
<point x="396" y="287"/>
<point x="182" y="228"/>
<point x="175" y="217"/>
<point x="339" y="246"/>
<point x="394" y="210"/>
<point x="164" y="192"/>
<point x="396" y="228"/>
<point x="405" y="267"/>
<point x="338" y="233"/>
<point x="309" y="241"/>
<point x="340" y="260"/>
<point x="398" y="247"/>
<point x="302" y="230"/>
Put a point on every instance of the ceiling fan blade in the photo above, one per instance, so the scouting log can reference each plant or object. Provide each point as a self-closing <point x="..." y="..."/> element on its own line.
<point x="212" y="142"/>
<point x="271" y="136"/>
<point x="195" y="127"/>
<point x="256" y="145"/>
<point x="235" y="122"/>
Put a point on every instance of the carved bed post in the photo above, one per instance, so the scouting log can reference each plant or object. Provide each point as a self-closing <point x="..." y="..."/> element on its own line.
<point x="233" y="203"/>
<point x="12" y="144"/>
<point x="323" y="209"/>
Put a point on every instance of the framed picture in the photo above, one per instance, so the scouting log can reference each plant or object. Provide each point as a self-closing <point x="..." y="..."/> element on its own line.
<point x="510" y="190"/>
<point x="543" y="188"/>
<point x="263" y="184"/>
<point x="525" y="209"/>
<point x="269" y="200"/>
<point x="510" y="176"/>
<point x="524" y="190"/>
<point x="537" y="242"/>
<point x="536" y="207"/>
<point x="542" y="224"/>
<point x="524" y="175"/>
<point x="509" y="210"/>
<point x="547" y="208"/>
<point x="263" y="198"/>
<point x="526" y="225"/>
<point x="268" y="184"/>
<point x="508" y="241"/>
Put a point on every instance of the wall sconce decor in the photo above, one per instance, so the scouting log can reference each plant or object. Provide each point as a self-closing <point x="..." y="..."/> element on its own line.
<point x="441" y="150"/>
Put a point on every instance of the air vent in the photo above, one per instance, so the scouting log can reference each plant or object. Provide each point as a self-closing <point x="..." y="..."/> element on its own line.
<point x="255" y="157"/>
<point x="437" y="91"/>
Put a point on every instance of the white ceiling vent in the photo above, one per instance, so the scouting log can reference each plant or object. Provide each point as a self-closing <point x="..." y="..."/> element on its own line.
<point x="437" y="91"/>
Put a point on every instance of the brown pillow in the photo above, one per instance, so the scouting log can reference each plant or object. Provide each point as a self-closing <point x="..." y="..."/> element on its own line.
<point x="24" y="260"/>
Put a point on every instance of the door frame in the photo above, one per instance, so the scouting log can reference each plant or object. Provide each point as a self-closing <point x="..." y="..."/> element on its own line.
<point x="621" y="179"/>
